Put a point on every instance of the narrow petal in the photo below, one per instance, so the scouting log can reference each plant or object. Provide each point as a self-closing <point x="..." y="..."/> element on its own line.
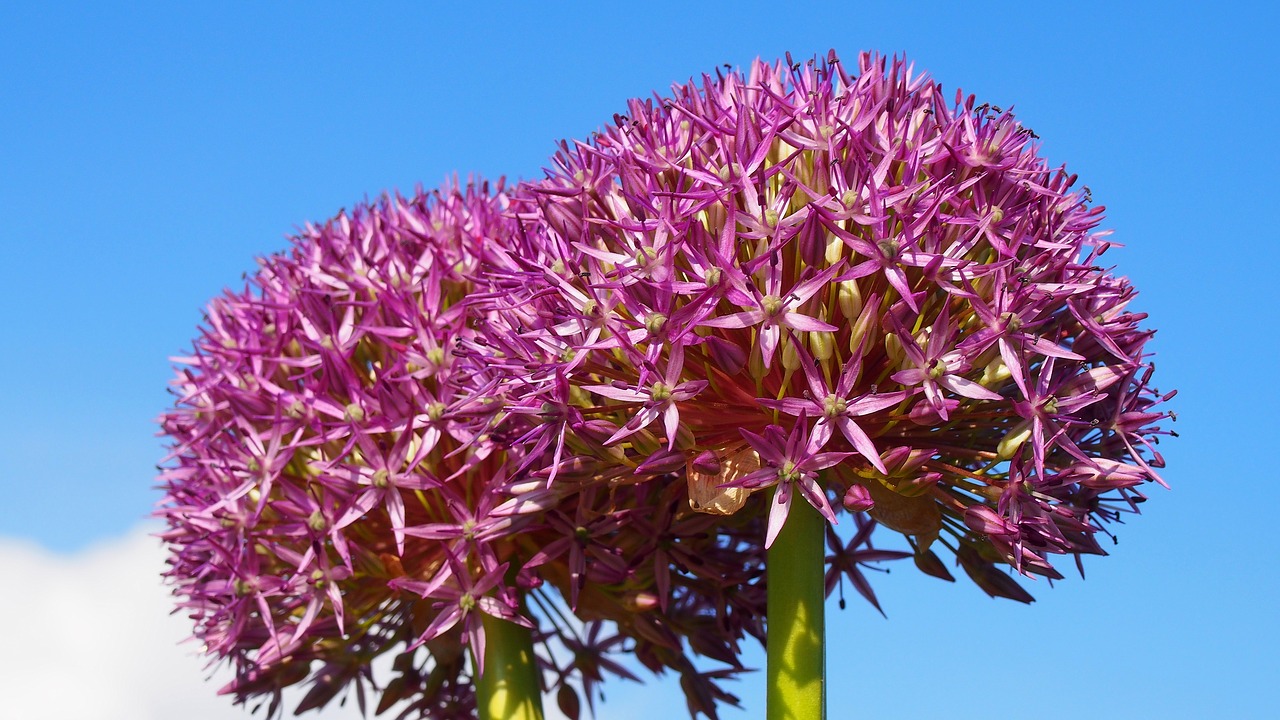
<point x="861" y="442"/>
<point x="778" y="511"/>
<point x="967" y="388"/>
<point x="743" y="319"/>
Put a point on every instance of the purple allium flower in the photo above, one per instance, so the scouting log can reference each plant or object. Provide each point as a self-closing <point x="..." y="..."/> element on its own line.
<point x="331" y="486"/>
<point x="342" y="484"/>
<point x="834" y="264"/>
<point x="358" y="468"/>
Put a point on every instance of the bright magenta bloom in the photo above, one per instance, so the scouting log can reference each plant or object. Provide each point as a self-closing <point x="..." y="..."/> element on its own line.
<point x="333" y="482"/>
<point x="350" y="476"/>
<point x="837" y="280"/>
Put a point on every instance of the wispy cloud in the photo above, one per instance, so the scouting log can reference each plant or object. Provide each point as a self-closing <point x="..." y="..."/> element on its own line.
<point x="90" y="636"/>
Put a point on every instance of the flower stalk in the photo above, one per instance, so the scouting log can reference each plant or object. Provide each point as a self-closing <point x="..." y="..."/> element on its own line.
<point x="795" y="651"/>
<point x="508" y="688"/>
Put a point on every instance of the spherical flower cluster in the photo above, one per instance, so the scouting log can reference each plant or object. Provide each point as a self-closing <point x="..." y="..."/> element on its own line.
<point x="330" y="457"/>
<point x="340" y="485"/>
<point x="609" y="388"/>
<point x="839" y="287"/>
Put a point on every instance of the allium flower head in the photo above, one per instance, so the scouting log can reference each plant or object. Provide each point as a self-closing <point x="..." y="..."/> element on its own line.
<point x="353" y="474"/>
<point x="839" y="281"/>
<point x="331" y="487"/>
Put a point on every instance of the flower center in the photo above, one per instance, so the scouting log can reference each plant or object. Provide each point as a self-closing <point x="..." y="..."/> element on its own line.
<point x="660" y="391"/>
<point x="771" y="304"/>
<point x="653" y="323"/>
<point x="788" y="472"/>
<point x="834" y="406"/>
<point x="353" y="413"/>
<point x="937" y="369"/>
<point x="435" y="410"/>
<point x="316" y="521"/>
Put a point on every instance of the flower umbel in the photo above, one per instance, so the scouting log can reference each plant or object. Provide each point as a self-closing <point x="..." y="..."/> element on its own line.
<point x="887" y="295"/>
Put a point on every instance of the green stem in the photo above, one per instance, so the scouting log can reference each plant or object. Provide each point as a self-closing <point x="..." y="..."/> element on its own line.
<point x="508" y="689"/>
<point x="796" y="657"/>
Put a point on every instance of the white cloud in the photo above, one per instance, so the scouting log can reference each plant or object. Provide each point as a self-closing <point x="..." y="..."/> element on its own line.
<point x="90" y="636"/>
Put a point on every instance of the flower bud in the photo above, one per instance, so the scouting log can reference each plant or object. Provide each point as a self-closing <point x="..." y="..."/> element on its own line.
<point x="834" y="250"/>
<point x="1013" y="440"/>
<point x="858" y="499"/>
<point x="790" y="355"/>
<point x="823" y="345"/>
<point x="850" y="299"/>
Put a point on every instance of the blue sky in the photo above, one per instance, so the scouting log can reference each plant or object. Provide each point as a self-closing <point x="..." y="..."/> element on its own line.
<point x="149" y="152"/>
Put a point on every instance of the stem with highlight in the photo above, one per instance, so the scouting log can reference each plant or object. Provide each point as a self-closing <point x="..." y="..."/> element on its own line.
<point x="796" y="595"/>
<point x="508" y="689"/>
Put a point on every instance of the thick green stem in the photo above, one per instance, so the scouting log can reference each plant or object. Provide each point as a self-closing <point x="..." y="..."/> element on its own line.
<point x="508" y="689"/>
<point x="796" y="657"/>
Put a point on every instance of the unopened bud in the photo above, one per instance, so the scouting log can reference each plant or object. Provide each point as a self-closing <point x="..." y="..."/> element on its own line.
<point x="850" y="299"/>
<point x="823" y="345"/>
<point x="755" y="366"/>
<point x="1013" y="440"/>
<point x="661" y="461"/>
<point x="893" y="348"/>
<point x="995" y="373"/>
<point x="790" y="355"/>
<point x="834" y="251"/>
<point x="595" y="431"/>
<point x="858" y="499"/>
<point x="706" y="463"/>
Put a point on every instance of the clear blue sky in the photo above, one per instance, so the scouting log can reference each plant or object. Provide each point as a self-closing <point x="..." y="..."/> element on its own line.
<point x="149" y="152"/>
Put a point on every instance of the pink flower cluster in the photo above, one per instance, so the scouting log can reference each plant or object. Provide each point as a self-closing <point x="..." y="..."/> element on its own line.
<point x="607" y="389"/>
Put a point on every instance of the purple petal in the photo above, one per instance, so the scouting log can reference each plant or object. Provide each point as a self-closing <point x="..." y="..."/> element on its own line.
<point x="859" y="440"/>
<point x="796" y="321"/>
<point x="778" y="511"/>
<point x="743" y="319"/>
<point x="967" y="388"/>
